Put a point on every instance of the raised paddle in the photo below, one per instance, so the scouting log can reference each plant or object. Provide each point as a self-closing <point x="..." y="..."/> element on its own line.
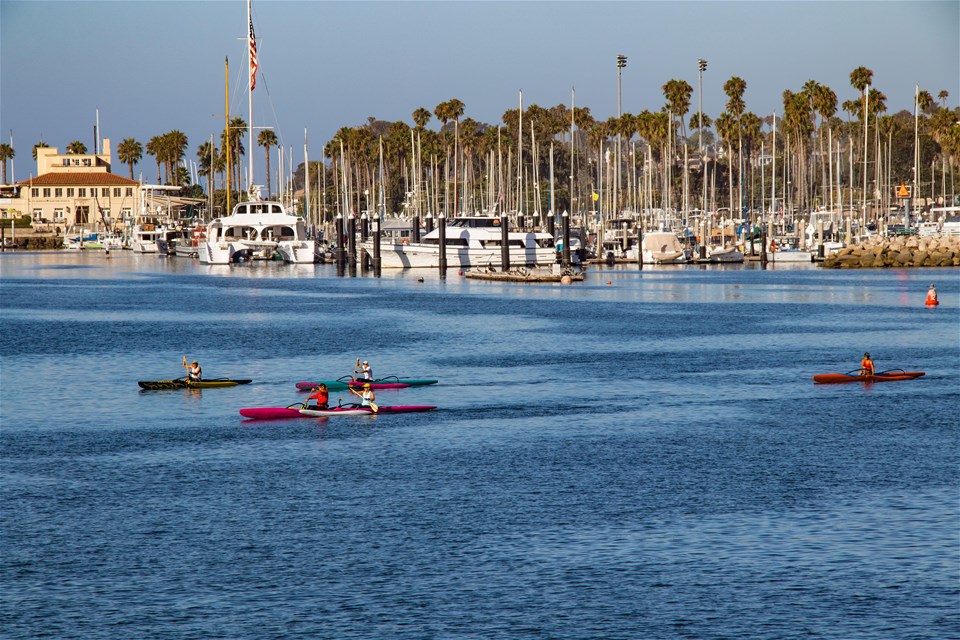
<point x="373" y="405"/>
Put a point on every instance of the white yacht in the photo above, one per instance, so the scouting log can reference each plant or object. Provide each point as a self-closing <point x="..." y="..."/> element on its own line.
<point x="256" y="230"/>
<point x="471" y="241"/>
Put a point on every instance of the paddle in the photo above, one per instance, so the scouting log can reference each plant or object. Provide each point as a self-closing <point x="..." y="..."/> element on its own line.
<point x="373" y="405"/>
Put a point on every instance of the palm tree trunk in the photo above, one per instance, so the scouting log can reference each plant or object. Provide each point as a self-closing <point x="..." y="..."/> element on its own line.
<point x="266" y="153"/>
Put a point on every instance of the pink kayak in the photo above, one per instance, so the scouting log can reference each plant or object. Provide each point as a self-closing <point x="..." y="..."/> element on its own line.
<point x="279" y="413"/>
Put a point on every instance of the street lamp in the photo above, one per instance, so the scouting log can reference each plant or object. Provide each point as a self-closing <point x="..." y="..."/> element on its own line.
<point x="702" y="64"/>
<point x="621" y="63"/>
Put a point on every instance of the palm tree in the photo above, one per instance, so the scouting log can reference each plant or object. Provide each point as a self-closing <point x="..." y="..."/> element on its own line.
<point x="266" y="139"/>
<point x="206" y="159"/>
<point x="39" y="145"/>
<point x="155" y="149"/>
<point x="735" y="88"/>
<point x="825" y="104"/>
<point x="77" y="148"/>
<point x="926" y="103"/>
<point x="176" y="147"/>
<point x="6" y="153"/>
<point x="129" y="151"/>
<point x="421" y="117"/>
<point x="943" y="95"/>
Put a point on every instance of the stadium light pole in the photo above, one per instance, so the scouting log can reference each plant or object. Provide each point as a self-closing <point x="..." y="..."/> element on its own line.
<point x="621" y="63"/>
<point x="702" y="64"/>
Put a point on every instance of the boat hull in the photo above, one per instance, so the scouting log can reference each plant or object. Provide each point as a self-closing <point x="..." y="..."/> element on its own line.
<point x="165" y="385"/>
<point x="284" y="413"/>
<point x="380" y="383"/>
<point x="413" y="256"/>
<point x="837" y="378"/>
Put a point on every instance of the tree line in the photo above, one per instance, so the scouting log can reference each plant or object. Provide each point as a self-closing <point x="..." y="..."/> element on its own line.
<point x="467" y="166"/>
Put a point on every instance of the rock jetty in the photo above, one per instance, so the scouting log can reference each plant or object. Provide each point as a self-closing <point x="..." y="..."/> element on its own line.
<point x="898" y="253"/>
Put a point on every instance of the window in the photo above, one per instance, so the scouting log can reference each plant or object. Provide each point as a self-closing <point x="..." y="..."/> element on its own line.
<point x="116" y="192"/>
<point x="83" y="214"/>
<point x="87" y="163"/>
<point x="37" y="214"/>
<point x="82" y="192"/>
<point x="58" y="215"/>
<point x="46" y="192"/>
<point x="58" y="192"/>
<point x="105" y="192"/>
<point x="69" y="192"/>
<point x="129" y="192"/>
<point x="34" y="193"/>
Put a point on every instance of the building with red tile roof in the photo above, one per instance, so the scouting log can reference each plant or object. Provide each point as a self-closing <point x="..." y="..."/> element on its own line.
<point x="73" y="190"/>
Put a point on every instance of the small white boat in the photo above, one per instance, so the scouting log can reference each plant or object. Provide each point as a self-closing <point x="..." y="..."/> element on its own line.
<point x="663" y="247"/>
<point x="144" y="238"/>
<point x="729" y="254"/>
<point x="790" y="255"/>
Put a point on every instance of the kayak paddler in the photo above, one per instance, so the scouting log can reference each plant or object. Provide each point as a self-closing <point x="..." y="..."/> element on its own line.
<point x="365" y="372"/>
<point x="866" y="365"/>
<point x="321" y="395"/>
<point x="194" y="373"/>
<point x="366" y="396"/>
<point x="932" y="296"/>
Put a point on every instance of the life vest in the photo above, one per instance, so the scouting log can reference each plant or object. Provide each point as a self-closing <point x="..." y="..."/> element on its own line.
<point x="932" y="297"/>
<point x="866" y="365"/>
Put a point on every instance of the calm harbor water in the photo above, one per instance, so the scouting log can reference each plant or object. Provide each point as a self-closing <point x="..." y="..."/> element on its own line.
<point x="647" y="458"/>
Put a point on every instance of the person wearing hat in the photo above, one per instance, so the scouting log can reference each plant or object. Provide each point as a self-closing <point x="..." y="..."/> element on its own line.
<point x="321" y="395"/>
<point x="366" y="396"/>
<point x="866" y="365"/>
<point x="194" y="373"/>
<point x="932" y="296"/>
<point x="365" y="372"/>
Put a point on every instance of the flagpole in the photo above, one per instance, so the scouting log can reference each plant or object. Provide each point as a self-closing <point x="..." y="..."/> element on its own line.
<point x="251" y="48"/>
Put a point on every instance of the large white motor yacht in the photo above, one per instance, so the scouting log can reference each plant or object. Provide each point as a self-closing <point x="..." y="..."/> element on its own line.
<point x="256" y="230"/>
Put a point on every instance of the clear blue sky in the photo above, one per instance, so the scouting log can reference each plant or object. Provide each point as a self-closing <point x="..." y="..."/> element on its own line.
<point x="153" y="66"/>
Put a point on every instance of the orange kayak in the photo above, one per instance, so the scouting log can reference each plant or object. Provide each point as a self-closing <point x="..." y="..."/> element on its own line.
<point x="883" y="376"/>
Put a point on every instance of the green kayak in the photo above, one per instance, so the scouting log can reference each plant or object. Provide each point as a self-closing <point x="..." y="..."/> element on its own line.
<point x="388" y="382"/>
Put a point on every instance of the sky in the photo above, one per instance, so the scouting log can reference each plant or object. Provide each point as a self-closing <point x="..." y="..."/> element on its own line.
<point x="151" y="66"/>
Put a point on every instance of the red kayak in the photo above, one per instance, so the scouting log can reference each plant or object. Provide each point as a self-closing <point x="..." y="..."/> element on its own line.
<point x="883" y="376"/>
<point x="280" y="413"/>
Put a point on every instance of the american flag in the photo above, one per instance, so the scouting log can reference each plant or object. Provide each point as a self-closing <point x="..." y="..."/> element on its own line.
<point x="253" y="58"/>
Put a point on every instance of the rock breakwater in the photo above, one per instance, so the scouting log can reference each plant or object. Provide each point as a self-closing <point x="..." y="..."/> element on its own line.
<point x="898" y="253"/>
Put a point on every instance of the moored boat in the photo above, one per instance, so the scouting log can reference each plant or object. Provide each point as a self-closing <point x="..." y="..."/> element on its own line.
<point x="471" y="241"/>
<point x="256" y="229"/>
<point x="663" y="247"/>
<point x="726" y="254"/>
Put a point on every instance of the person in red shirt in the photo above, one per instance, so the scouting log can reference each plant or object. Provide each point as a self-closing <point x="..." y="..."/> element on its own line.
<point x="866" y="365"/>
<point x="321" y="395"/>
